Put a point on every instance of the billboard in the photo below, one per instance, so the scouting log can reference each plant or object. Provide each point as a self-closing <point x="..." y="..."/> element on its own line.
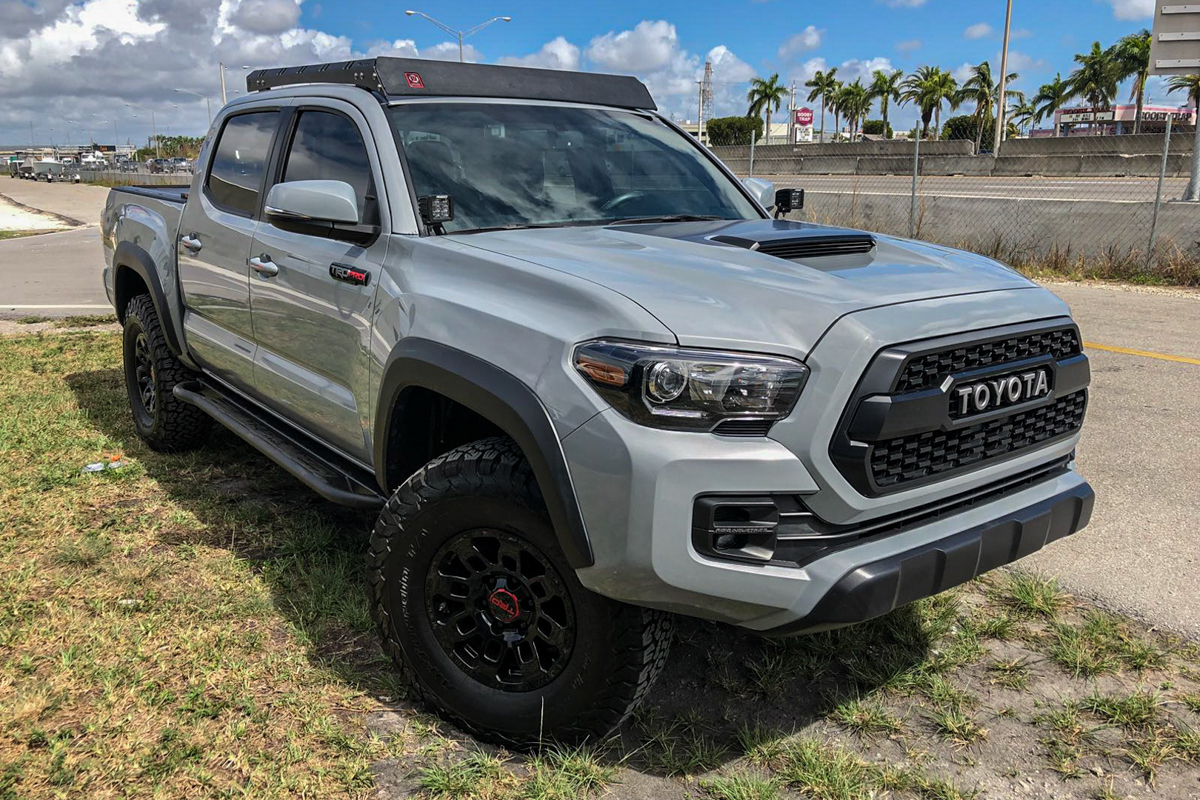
<point x="804" y="117"/>
<point x="1175" y="48"/>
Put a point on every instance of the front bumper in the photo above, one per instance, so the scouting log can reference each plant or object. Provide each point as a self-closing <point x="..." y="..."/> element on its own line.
<point x="878" y="587"/>
<point x="637" y="487"/>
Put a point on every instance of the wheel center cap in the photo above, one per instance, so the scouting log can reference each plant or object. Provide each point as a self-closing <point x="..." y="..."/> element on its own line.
<point x="503" y="605"/>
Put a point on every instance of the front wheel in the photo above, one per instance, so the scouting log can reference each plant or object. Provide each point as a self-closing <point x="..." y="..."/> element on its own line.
<point x="486" y="620"/>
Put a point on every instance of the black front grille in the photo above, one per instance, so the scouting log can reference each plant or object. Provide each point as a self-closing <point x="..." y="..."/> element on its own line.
<point x="921" y="455"/>
<point x="744" y="427"/>
<point x="819" y="246"/>
<point x="930" y="369"/>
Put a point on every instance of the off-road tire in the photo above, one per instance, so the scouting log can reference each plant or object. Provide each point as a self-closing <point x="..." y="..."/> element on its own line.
<point x="618" y="649"/>
<point x="167" y="425"/>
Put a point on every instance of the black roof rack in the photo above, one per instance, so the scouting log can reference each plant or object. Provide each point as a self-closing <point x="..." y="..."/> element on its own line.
<point x="408" y="77"/>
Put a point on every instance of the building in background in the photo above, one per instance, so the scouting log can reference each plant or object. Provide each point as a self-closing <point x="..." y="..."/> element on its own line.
<point x="1116" y="120"/>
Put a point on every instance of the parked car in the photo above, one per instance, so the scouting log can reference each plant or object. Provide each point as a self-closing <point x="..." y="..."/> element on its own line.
<point x="584" y="405"/>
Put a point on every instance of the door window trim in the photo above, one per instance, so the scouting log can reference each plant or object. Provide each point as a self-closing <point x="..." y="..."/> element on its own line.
<point x="262" y="188"/>
<point x="283" y="147"/>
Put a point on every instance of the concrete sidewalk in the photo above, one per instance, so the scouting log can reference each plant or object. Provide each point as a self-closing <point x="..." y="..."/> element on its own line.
<point x="78" y="202"/>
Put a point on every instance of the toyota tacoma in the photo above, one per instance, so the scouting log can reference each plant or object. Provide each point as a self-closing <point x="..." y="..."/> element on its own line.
<point x="589" y="378"/>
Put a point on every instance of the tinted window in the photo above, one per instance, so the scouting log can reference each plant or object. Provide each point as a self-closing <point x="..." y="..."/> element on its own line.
<point x="239" y="160"/>
<point x="328" y="147"/>
<point x="553" y="165"/>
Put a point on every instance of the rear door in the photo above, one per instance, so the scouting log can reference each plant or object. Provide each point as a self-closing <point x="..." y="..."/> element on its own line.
<point x="312" y="317"/>
<point x="215" y="235"/>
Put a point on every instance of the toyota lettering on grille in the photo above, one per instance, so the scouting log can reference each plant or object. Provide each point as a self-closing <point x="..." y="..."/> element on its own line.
<point x="1007" y="390"/>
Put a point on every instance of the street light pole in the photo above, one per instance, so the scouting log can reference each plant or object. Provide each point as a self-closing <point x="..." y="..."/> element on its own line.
<point x="459" y="35"/>
<point x="1003" y="80"/>
<point x="207" y="102"/>
<point x="223" y="99"/>
<point x="153" y="128"/>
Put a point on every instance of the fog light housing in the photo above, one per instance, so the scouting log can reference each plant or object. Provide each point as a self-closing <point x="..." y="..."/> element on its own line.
<point x="735" y="528"/>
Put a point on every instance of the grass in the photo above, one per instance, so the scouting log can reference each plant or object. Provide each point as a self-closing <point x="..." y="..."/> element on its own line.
<point x="1033" y="595"/>
<point x="86" y="321"/>
<point x="195" y="625"/>
<point x="7" y="234"/>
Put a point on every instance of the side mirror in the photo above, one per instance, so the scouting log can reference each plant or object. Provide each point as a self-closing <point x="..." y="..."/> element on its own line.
<point x="762" y="190"/>
<point x="312" y="202"/>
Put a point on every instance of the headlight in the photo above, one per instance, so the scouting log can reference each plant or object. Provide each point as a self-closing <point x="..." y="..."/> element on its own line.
<point x="691" y="390"/>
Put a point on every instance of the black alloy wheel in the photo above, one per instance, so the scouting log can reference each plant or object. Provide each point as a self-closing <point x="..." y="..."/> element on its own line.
<point x="500" y="610"/>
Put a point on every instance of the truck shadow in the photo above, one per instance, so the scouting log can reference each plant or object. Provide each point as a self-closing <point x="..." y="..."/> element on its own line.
<point x="723" y="691"/>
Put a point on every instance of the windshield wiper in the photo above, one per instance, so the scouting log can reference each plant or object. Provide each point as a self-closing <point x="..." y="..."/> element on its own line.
<point x="516" y="226"/>
<point x="666" y="218"/>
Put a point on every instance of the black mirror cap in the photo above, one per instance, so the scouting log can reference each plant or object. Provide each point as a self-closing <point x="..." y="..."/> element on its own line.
<point x="789" y="200"/>
<point x="436" y="208"/>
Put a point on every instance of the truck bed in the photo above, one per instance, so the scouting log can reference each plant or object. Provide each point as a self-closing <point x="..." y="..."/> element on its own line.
<point x="169" y="194"/>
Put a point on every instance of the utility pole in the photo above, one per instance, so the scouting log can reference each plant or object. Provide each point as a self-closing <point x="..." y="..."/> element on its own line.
<point x="224" y="99"/>
<point x="792" y="116"/>
<point x="1003" y="76"/>
<point x="699" y="109"/>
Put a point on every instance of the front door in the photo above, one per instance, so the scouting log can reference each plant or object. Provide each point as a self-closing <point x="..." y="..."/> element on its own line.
<point x="215" y="235"/>
<point x="312" y="306"/>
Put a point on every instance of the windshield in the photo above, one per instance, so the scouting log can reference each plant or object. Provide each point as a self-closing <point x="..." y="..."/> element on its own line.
<point x="508" y="165"/>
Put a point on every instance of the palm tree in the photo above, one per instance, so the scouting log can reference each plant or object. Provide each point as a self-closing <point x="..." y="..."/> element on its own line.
<point x="983" y="90"/>
<point x="823" y="85"/>
<point x="885" y="86"/>
<point x="1095" y="80"/>
<point x="1131" y="59"/>
<point x="835" y="107"/>
<point x="1022" y="113"/>
<point x="929" y="87"/>
<point x="854" y="100"/>
<point x="1050" y="98"/>
<point x="765" y="96"/>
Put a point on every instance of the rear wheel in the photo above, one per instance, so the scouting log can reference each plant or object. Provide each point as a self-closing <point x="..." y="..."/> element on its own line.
<point x="151" y="373"/>
<point x="485" y="619"/>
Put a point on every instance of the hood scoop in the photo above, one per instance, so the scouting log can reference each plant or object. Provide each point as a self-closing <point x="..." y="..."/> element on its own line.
<point x="802" y="248"/>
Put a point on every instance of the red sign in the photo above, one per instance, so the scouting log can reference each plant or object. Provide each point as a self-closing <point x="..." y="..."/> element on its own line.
<point x="804" y="116"/>
<point x="414" y="80"/>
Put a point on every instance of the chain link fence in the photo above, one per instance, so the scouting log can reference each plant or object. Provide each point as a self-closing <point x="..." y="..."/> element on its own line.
<point x="1084" y="206"/>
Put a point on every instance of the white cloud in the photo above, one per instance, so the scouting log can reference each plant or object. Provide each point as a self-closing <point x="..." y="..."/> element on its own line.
<point x="963" y="71"/>
<point x="909" y="45"/>
<point x="1022" y="62"/>
<point x="855" y="68"/>
<point x="1132" y="9"/>
<point x="1022" y="33"/>
<point x="265" y="16"/>
<point x="557" y="53"/>
<point x="649" y="46"/>
<point x="807" y="39"/>
<point x="448" y="51"/>
<point x="978" y="31"/>
<point x="401" y="48"/>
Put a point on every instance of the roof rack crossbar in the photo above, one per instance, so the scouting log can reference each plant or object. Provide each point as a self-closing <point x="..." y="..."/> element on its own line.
<point x="409" y="77"/>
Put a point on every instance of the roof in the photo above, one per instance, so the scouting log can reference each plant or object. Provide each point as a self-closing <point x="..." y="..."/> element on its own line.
<point x="415" y="77"/>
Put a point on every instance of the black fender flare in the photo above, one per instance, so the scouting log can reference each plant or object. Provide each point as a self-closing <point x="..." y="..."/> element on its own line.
<point x="129" y="256"/>
<point x="504" y="400"/>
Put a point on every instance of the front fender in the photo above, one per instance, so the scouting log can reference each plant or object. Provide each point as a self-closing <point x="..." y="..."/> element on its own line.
<point x="505" y="401"/>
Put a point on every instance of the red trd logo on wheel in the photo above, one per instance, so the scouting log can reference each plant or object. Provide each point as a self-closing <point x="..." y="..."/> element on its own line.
<point x="414" y="80"/>
<point x="504" y="605"/>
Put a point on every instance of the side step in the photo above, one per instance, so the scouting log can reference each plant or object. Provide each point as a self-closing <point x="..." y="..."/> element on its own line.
<point x="306" y="459"/>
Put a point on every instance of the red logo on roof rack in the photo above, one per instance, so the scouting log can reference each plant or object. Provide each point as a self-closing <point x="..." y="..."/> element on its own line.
<point x="414" y="80"/>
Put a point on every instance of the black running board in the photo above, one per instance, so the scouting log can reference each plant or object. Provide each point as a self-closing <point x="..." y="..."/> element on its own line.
<point x="304" y="458"/>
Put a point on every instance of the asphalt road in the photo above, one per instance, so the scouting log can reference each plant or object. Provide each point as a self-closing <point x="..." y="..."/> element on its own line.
<point x="1112" y="189"/>
<point x="1140" y="448"/>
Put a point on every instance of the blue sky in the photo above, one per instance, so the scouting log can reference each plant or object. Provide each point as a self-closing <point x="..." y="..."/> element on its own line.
<point x="778" y="36"/>
<point x="70" y="66"/>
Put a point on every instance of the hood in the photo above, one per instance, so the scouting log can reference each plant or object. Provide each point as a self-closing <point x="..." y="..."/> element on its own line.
<point x="711" y="293"/>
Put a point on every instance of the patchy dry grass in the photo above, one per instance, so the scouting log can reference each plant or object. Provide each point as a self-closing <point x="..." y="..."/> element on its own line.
<point x="194" y="626"/>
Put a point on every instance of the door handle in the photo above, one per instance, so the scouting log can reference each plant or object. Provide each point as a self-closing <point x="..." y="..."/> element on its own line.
<point x="191" y="242"/>
<point x="264" y="266"/>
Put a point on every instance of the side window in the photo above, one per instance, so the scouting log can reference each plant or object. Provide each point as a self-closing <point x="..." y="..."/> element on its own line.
<point x="240" y="159"/>
<point x="329" y="147"/>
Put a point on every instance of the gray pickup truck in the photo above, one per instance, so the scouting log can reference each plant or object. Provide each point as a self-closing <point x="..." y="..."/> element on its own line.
<point x="590" y="379"/>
